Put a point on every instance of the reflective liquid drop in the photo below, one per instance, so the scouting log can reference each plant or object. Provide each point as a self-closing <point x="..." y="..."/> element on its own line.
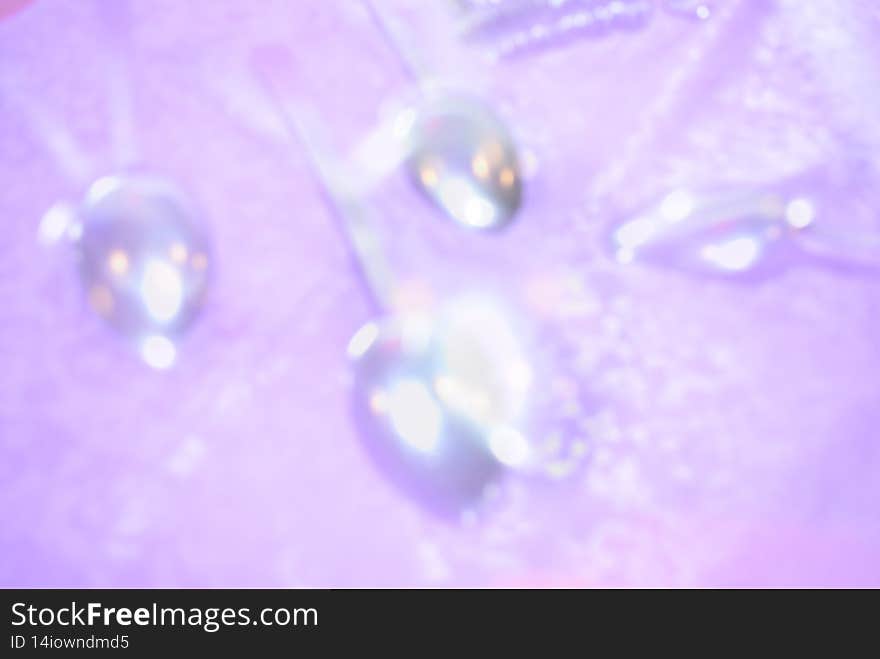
<point x="726" y="233"/>
<point x="438" y="404"/>
<point x="463" y="158"/>
<point x="144" y="259"/>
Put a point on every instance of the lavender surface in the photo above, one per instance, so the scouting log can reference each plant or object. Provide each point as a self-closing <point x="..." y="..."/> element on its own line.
<point x="729" y="432"/>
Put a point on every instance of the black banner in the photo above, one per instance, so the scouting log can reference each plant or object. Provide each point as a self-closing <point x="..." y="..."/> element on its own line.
<point x="252" y="620"/>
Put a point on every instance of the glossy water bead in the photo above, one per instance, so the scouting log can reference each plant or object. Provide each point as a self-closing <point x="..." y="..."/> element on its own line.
<point x="722" y="232"/>
<point x="144" y="259"/>
<point x="465" y="160"/>
<point x="440" y="402"/>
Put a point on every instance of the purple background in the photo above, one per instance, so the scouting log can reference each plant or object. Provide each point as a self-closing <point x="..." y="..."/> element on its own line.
<point x="732" y="429"/>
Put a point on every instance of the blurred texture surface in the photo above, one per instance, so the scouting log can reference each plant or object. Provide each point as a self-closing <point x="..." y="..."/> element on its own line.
<point x="729" y="432"/>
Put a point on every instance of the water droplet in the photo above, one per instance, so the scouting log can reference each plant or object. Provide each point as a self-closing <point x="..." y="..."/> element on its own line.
<point x="437" y="401"/>
<point x="465" y="161"/>
<point x="144" y="260"/>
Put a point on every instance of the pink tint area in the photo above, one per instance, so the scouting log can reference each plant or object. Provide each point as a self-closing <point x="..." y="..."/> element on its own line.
<point x="731" y="429"/>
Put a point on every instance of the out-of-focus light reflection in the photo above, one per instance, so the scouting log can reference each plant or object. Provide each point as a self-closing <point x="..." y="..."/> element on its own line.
<point x="484" y="374"/>
<point x="161" y="290"/>
<point x="428" y="176"/>
<point x="800" y="213"/>
<point x="415" y="415"/>
<point x="465" y="203"/>
<point x="56" y="222"/>
<point x="735" y="255"/>
<point x="178" y="253"/>
<point x="404" y="122"/>
<point x="632" y="236"/>
<point x="117" y="261"/>
<point x="694" y="9"/>
<point x="519" y="374"/>
<point x="677" y="205"/>
<point x="479" y="212"/>
<point x="362" y="340"/>
<point x="480" y="166"/>
<point x="464" y="398"/>
<point x="102" y="188"/>
<point x="158" y="351"/>
<point x="509" y="446"/>
<point x="379" y="402"/>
